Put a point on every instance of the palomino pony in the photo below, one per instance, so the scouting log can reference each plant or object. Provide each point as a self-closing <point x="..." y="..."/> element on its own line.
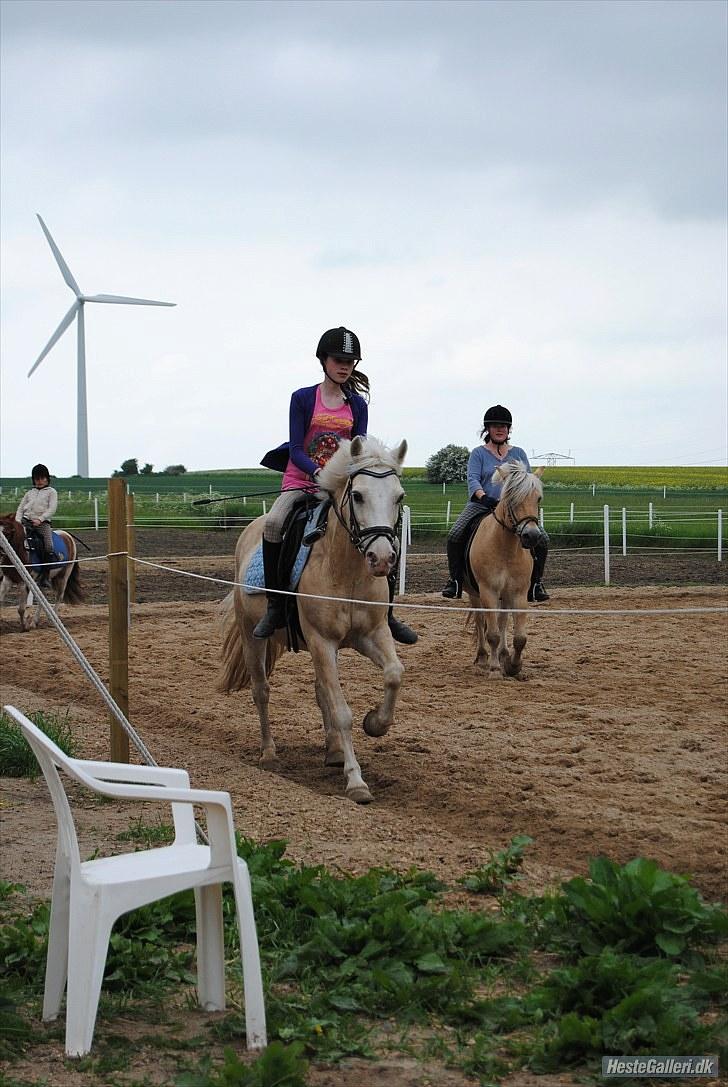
<point x="64" y="576"/>
<point x="501" y="564"/>
<point x="351" y="563"/>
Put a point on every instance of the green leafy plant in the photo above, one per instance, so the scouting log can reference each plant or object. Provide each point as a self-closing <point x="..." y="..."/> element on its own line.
<point x="500" y="869"/>
<point x="16" y="757"/>
<point x="278" y="1066"/>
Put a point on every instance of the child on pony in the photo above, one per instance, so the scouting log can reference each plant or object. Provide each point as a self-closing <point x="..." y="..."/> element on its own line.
<point x="320" y="416"/>
<point x="36" y="508"/>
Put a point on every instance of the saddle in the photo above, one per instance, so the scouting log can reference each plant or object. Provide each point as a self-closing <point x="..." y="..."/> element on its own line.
<point x="468" y="543"/>
<point x="305" y="524"/>
<point x="35" y="547"/>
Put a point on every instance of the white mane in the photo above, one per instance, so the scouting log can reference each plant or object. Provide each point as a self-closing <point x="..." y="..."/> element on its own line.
<point x="375" y="455"/>
<point x="518" y="482"/>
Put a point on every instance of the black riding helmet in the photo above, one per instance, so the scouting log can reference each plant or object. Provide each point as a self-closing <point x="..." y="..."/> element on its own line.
<point x="339" y="343"/>
<point x="40" y="472"/>
<point x="497" y="414"/>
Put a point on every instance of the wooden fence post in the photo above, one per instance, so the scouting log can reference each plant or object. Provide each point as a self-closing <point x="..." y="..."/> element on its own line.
<point x="118" y="618"/>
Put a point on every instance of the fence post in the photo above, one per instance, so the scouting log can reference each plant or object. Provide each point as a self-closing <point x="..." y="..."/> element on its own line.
<point x="540" y="516"/>
<point x="403" y="549"/>
<point x="720" y="535"/>
<point x="606" y="545"/>
<point x="118" y="618"/>
<point x="571" y="513"/>
<point x="447" y="515"/>
<point x="443" y="486"/>
<point x="594" y="489"/>
<point x="649" y="516"/>
<point x="664" y="492"/>
<point x="96" y="514"/>
<point x="264" y="508"/>
<point x="131" y="548"/>
<point x="624" y="531"/>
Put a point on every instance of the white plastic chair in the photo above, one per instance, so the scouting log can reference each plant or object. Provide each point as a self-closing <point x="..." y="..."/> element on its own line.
<point x="89" y="896"/>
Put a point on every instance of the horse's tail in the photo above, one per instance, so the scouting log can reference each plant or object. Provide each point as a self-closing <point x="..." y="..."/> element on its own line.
<point x="73" y="593"/>
<point x="235" y="675"/>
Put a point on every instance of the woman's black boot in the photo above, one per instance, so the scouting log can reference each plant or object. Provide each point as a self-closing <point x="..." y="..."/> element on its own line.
<point x="456" y="567"/>
<point x="275" y="616"/>
<point x="536" y="592"/>
<point x="399" y="630"/>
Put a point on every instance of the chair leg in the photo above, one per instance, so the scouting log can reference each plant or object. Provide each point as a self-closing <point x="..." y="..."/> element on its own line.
<point x="255" y="1030"/>
<point x="57" y="959"/>
<point x="210" y="948"/>
<point x="87" y="949"/>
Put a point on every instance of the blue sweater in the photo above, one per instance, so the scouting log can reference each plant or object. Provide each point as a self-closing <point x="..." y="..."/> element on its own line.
<point x="483" y="463"/>
<point x="299" y="420"/>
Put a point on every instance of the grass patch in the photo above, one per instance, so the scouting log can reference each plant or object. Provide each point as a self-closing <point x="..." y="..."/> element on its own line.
<point x="16" y="757"/>
<point x="623" y="961"/>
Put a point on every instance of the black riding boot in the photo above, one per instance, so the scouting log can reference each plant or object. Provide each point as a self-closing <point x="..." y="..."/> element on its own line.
<point x="456" y="566"/>
<point x="275" y="617"/>
<point x="399" y="630"/>
<point x="536" y="591"/>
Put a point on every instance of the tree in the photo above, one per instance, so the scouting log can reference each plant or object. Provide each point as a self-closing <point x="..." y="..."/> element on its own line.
<point x="129" y="467"/>
<point x="147" y="470"/>
<point x="174" y="470"/>
<point x="448" y="465"/>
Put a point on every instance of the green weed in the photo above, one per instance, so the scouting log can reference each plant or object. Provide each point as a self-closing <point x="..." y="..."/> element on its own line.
<point x="500" y="869"/>
<point x="16" y="757"/>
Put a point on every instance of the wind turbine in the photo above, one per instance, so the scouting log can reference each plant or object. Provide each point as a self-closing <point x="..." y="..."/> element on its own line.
<point x="76" y="311"/>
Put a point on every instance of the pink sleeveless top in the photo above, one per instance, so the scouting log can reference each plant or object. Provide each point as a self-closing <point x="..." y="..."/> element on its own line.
<point x="328" y="427"/>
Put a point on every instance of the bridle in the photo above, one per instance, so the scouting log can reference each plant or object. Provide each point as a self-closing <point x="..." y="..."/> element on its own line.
<point x="363" y="538"/>
<point x="517" y="525"/>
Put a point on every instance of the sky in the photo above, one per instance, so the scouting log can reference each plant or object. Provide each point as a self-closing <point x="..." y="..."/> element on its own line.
<point x="509" y="202"/>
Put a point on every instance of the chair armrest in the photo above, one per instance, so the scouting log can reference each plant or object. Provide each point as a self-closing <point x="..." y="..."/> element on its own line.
<point x="128" y="772"/>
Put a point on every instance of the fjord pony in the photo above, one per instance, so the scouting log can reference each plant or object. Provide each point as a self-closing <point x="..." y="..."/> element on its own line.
<point x="501" y="564"/>
<point x="350" y="563"/>
<point x="64" y="576"/>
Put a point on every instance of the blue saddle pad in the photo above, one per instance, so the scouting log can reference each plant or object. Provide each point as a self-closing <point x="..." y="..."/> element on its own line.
<point x="254" y="576"/>
<point x="59" y="546"/>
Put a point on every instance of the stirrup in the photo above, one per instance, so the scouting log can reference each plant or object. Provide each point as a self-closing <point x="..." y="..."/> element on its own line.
<point x="453" y="590"/>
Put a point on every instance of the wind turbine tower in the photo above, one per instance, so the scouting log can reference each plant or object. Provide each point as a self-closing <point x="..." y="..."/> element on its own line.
<point x="76" y="312"/>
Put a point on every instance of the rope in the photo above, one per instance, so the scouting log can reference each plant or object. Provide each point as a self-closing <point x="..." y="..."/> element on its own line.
<point x="432" y="607"/>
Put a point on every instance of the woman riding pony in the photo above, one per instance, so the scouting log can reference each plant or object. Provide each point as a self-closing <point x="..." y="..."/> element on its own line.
<point x="320" y="416"/>
<point x="484" y="494"/>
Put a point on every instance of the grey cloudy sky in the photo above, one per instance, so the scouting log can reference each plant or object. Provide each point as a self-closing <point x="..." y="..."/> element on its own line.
<point x="509" y="202"/>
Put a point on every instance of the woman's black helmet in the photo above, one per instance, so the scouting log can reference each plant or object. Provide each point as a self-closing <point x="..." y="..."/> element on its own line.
<point x="339" y="343"/>
<point x="39" y="472"/>
<point x="498" y="414"/>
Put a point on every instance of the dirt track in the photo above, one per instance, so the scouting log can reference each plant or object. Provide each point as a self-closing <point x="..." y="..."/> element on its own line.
<point x="613" y="742"/>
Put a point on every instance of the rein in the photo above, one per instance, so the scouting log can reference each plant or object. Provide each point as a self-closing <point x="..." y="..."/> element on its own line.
<point x="362" y="538"/>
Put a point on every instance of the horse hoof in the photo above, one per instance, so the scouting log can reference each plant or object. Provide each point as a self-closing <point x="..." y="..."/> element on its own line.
<point x="359" y="794"/>
<point x="268" y="761"/>
<point x="373" y="726"/>
<point x="334" y="758"/>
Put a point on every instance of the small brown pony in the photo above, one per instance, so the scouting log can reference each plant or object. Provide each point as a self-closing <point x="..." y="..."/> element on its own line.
<point x="501" y="564"/>
<point x="64" y="576"/>
<point x="351" y="563"/>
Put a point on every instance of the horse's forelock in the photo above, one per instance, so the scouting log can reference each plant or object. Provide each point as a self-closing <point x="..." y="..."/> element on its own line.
<point x="375" y="456"/>
<point x="519" y="482"/>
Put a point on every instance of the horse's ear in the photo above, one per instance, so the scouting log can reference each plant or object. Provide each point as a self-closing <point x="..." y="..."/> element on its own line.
<point x="539" y="471"/>
<point x="401" y="451"/>
<point x="357" y="446"/>
<point x="501" y="473"/>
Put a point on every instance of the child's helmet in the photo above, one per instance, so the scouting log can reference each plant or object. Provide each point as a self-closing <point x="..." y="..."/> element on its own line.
<point x="39" y="472"/>
<point x="339" y="343"/>
<point x="498" y="414"/>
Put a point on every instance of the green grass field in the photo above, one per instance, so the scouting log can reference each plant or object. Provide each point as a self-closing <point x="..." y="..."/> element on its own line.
<point x="682" y="503"/>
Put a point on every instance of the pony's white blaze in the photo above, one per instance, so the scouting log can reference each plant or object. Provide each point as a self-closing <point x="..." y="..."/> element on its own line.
<point x="349" y="563"/>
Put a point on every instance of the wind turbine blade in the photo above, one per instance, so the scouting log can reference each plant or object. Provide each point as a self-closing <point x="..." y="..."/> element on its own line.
<point x="121" y="300"/>
<point x="56" y="336"/>
<point x="65" y="270"/>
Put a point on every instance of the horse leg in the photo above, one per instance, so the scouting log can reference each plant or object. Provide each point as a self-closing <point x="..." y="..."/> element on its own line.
<point x="494" y="636"/>
<point x="334" y="751"/>
<point x="25" y="602"/>
<point x="255" y="650"/>
<point x="379" y="648"/>
<point x="512" y="664"/>
<point x="323" y="655"/>
<point x="481" y="657"/>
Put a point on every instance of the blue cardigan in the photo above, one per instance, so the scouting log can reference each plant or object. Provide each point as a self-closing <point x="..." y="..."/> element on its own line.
<point x="299" y="420"/>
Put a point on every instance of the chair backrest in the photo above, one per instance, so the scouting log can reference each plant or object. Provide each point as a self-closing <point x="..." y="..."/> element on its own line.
<point x="50" y="756"/>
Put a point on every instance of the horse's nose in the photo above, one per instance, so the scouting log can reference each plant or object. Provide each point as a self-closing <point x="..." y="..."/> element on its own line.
<point x="530" y="536"/>
<point x="381" y="564"/>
